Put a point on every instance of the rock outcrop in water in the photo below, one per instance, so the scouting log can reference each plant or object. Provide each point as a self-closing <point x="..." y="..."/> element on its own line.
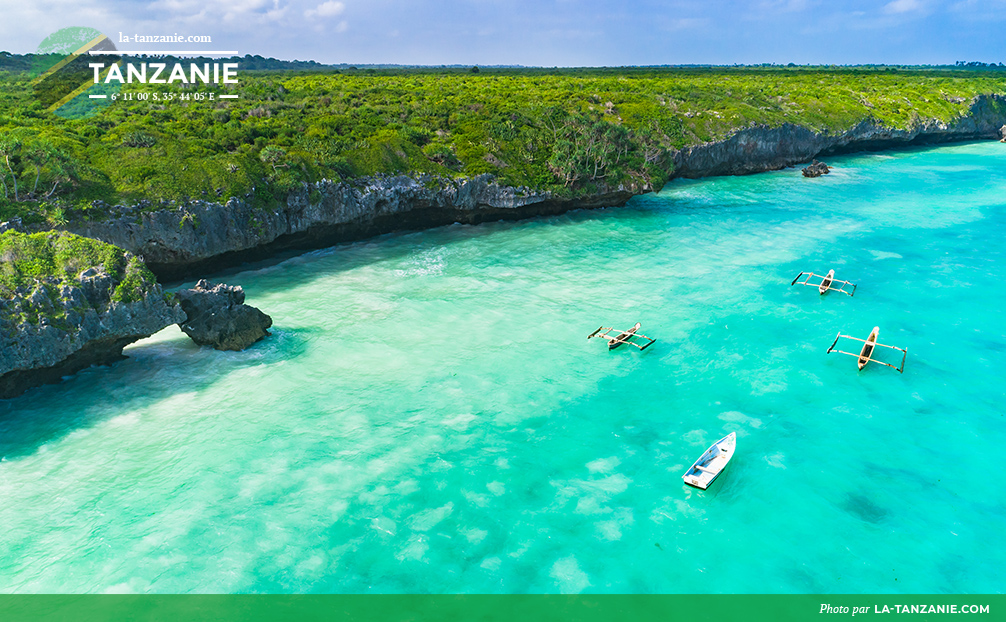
<point x="815" y="169"/>
<point x="58" y="326"/>
<point x="217" y="316"/>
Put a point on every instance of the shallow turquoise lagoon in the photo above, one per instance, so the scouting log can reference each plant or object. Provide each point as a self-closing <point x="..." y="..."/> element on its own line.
<point x="429" y="416"/>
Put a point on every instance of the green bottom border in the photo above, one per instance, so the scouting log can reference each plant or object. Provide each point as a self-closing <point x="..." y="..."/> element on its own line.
<point x="518" y="608"/>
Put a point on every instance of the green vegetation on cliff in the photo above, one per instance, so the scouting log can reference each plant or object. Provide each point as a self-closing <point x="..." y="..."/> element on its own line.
<point x="571" y="131"/>
<point x="35" y="267"/>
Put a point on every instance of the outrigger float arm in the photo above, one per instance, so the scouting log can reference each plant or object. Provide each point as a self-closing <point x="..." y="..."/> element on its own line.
<point x="641" y="348"/>
<point x="904" y="352"/>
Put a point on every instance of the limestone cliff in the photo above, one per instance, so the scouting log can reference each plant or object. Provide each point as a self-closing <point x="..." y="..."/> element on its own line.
<point x="761" y="148"/>
<point x="201" y="237"/>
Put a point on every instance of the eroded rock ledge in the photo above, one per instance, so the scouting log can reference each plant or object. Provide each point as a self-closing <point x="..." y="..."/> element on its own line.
<point x="816" y="169"/>
<point x="762" y="148"/>
<point x="203" y="237"/>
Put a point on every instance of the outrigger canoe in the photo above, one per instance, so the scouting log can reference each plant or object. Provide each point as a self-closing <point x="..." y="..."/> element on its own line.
<point x="622" y="336"/>
<point x="828" y="283"/>
<point x="870" y="346"/>
<point x="710" y="464"/>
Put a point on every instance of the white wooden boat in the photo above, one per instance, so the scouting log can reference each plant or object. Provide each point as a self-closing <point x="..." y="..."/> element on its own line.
<point x="623" y="336"/>
<point x="710" y="464"/>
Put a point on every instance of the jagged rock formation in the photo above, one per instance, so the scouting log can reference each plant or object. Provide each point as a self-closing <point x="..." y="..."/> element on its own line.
<point x="217" y="316"/>
<point x="1002" y="132"/>
<point x="204" y="236"/>
<point x="815" y="169"/>
<point x="58" y="326"/>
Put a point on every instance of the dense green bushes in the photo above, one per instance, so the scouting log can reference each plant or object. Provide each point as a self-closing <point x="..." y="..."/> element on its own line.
<point x="135" y="282"/>
<point x="24" y="258"/>
<point x="27" y="258"/>
<point x="35" y="267"/>
<point x="568" y="130"/>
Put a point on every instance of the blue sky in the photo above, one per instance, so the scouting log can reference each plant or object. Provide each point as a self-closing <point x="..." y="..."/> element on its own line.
<point x="547" y="32"/>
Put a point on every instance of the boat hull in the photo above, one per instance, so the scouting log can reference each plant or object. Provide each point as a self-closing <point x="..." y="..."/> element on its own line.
<point x="622" y="337"/>
<point x="867" y="351"/>
<point x="826" y="283"/>
<point x="711" y="463"/>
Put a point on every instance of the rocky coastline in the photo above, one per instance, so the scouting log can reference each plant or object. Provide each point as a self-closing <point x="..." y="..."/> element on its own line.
<point x="34" y="355"/>
<point x="758" y="149"/>
<point x="93" y="304"/>
<point x="202" y="237"/>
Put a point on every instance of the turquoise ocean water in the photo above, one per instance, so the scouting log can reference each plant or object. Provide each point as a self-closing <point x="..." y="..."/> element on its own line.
<point x="428" y="415"/>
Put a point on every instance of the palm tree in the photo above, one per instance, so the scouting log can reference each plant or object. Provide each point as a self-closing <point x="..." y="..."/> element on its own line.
<point x="64" y="169"/>
<point x="273" y="155"/>
<point x="38" y="155"/>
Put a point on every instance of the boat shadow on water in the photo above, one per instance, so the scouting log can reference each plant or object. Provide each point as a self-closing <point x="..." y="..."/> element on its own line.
<point x="863" y="508"/>
<point x="153" y="370"/>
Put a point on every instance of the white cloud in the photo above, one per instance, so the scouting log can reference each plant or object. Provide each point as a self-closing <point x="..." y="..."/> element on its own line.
<point x="902" y="6"/>
<point x="25" y="25"/>
<point x="784" y="6"/>
<point x="326" y="9"/>
<point x="276" y="13"/>
<point x="685" y="23"/>
<point x="197" y="11"/>
<point x="342" y="27"/>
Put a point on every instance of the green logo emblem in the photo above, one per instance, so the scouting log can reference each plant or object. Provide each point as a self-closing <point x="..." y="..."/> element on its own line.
<point x="64" y="83"/>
